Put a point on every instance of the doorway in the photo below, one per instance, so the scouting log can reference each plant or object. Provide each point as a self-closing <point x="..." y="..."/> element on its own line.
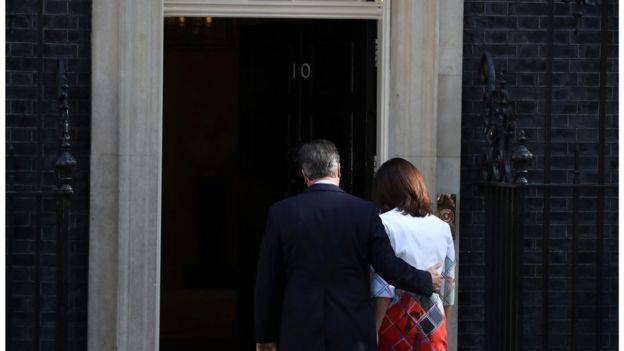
<point x="239" y="96"/>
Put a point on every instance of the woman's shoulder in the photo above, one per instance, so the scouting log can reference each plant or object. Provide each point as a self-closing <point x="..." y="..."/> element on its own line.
<point x="396" y="217"/>
<point x="439" y="226"/>
<point x="430" y="223"/>
<point x="434" y="220"/>
<point x="392" y="216"/>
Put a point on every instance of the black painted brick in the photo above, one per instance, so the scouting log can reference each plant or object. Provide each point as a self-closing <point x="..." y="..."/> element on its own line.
<point x="496" y="8"/>
<point x="527" y="8"/>
<point x="22" y="35"/>
<point x="23" y="6"/>
<point x="54" y="7"/>
<point x="63" y="34"/>
<point x="21" y="49"/>
<point x="575" y="119"/>
<point x="55" y="35"/>
<point x="495" y="37"/>
<point x="533" y="37"/>
<point x="528" y="22"/>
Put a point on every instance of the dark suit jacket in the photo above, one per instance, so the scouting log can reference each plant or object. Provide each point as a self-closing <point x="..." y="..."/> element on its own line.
<point x="312" y="287"/>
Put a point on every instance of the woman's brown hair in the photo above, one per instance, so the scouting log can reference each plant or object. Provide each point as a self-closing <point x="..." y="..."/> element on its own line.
<point x="399" y="184"/>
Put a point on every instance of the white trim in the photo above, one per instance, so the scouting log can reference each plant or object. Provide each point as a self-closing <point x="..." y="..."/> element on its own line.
<point x="126" y="151"/>
<point x="125" y="177"/>
<point x="274" y="9"/>
<point x="383" y="86"/>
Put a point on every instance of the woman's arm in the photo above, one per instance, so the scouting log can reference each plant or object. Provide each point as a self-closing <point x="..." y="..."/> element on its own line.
<point x="447" y="291"/>
<point x="395" y="270"/>
<point x="447" y="310"/>
<point x="381" y="306"/>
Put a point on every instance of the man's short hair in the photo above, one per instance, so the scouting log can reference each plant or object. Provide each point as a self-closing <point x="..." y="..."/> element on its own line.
<point x="319" y="158"/>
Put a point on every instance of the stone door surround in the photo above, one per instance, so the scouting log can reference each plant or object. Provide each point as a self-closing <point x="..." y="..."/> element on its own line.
<point x="124" y="247"/>
<point x="126" y="149"/>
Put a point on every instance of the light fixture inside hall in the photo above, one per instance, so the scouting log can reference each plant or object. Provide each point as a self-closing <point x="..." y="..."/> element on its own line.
<point x="181" y="21"/>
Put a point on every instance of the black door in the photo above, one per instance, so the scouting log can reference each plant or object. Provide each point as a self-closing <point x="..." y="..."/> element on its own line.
<point x="339" y="97"/>
<point x="300" y="80"/>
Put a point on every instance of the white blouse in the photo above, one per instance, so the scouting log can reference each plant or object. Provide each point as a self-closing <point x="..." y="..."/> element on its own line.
<point x="422" y="242"/>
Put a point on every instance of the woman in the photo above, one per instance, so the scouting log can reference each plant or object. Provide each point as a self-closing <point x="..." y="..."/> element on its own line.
<point x="406" y="321"/>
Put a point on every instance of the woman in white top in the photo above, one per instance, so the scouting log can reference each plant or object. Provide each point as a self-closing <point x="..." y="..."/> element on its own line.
<point x="406" y="321"/>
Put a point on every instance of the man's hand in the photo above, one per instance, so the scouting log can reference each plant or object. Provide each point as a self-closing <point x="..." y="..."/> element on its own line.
<point x="436" y="278"/>
<point x="266" y="346"/>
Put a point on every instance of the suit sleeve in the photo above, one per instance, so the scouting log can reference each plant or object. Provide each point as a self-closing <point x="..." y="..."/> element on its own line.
<point x="391" y="268"/>
<point x="269" y="285"/>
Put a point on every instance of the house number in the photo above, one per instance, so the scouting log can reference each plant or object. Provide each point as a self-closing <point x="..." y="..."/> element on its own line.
<point x="305" y="70"/>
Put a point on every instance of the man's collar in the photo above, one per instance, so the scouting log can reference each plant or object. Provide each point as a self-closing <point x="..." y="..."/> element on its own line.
<point x="324" y="181"/>
<point x="323" y="187"/>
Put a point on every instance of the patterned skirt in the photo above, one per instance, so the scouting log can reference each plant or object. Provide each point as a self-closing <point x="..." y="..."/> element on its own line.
<point x="413" y="323"/>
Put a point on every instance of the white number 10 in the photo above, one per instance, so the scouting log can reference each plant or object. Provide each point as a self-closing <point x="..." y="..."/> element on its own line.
<point x="305" y="70"/>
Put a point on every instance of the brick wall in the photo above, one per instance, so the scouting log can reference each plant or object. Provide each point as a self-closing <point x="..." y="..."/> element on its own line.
<point x="38" y="32"/>
<point x="515" y="32"/>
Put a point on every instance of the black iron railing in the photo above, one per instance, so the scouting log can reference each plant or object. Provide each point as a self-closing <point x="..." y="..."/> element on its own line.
<point x="506" y="273"/>
<point x="61" y="194"/>
<point x="503" y="260"/>
<point x="507" y="225"/>
<point x="504" y="174"/>
<point x="565" y="248"/>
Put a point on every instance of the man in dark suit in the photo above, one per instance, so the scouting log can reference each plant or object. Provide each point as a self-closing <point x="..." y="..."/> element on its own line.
<point x="312" y="287"/>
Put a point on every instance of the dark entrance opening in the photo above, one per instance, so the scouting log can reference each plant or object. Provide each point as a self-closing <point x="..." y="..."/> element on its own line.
<point x="239" y="96"/>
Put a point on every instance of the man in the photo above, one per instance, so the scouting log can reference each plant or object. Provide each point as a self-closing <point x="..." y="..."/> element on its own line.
<point x="312" y="287"/>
